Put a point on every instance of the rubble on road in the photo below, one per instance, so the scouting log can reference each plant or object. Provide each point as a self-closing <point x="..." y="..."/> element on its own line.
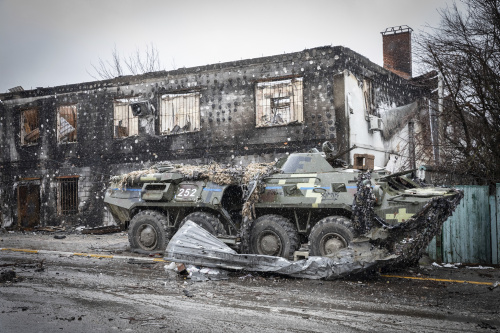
<point x="197" y="274"/>
<point x="8" y="276"/>
<point x="101" y="230"/>
<point x="50" y="229"/>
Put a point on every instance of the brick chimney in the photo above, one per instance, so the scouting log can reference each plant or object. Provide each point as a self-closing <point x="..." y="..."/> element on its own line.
<point x="397" y="50"/>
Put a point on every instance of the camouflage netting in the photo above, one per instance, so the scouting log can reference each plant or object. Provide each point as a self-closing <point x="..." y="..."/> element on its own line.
<point x="410" y="239"/>
<point x="407" y="240"/>
<point x="221" y="175"/>
<point x="363" y="204"/>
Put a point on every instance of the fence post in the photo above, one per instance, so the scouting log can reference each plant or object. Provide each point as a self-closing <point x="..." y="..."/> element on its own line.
<point x="495" y="226"/>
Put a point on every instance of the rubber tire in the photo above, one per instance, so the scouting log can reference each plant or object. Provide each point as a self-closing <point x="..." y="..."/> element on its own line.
<point x="207" y="221"/>
<point x="332" y="226"/>
<point x="154" y="220"/>
<point x="279" y="227"/>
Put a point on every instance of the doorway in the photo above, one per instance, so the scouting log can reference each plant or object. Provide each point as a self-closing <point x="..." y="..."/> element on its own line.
<point x="28" y="205"/>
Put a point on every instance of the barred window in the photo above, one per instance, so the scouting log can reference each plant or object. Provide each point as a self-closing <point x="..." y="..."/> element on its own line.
<point x="67" y="195"/>
<point x="66" y="123"/>
<point x="30" y="131"/>
<point x="180" y="113"/>
<point x="125" y="124"/>
<point x="279" y="102"/>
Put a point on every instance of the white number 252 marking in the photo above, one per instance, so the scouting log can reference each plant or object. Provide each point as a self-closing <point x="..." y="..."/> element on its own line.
<point x="186" y="192"/>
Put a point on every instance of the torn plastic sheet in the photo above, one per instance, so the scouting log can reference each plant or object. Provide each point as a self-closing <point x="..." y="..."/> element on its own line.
<point x="194" y="245"/>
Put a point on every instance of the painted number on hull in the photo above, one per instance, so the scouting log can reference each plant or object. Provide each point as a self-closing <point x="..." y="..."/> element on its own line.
<point x="187" y="193"/>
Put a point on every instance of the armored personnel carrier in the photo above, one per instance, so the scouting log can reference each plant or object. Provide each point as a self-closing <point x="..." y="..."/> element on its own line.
<point x="270" y="209"/>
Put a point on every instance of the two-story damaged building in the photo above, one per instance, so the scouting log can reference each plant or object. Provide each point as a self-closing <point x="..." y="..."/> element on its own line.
<point x="60" y="145"/>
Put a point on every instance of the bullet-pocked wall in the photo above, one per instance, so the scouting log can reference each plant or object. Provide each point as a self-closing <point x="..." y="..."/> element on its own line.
<point x="60" y="145"/>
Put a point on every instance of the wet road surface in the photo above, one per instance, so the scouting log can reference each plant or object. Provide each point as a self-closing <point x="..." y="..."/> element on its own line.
<point x="53" y="293"/>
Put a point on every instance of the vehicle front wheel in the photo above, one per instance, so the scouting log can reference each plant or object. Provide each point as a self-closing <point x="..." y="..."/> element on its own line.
<point x="330" y="235"/>
<point x="273" y="235"/>
<point x="147" y="232"/>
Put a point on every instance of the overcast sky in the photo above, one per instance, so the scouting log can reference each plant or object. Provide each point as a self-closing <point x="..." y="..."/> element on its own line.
<point x="54" y="42"/>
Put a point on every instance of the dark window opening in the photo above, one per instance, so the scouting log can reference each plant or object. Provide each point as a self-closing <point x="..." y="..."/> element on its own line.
<point x="30" y="131"/>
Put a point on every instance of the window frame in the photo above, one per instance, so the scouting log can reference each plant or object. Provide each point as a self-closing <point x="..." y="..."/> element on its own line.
<point x="29" y="128"/>
<point x="189" y="119"/>
<point x="68" y="125"/>
<point x="269" y="97"/>
<point x="132" y="121"/>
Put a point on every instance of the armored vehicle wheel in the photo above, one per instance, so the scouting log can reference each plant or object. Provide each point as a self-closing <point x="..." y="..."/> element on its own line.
<point x="207" y="221"/>
<point x="330" y="235"/>
<point x="273" y="235"/>
<point x="147" y="232"/>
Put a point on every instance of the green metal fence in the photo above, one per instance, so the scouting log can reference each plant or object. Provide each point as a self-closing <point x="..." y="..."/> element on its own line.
<point x="472" y="234"/>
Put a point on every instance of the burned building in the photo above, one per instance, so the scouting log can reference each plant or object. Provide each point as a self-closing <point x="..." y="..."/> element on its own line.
<point x="60" y="145"/>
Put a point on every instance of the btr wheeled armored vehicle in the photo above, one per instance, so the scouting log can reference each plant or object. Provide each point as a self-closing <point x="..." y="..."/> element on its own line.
<point x="271" y="209"/>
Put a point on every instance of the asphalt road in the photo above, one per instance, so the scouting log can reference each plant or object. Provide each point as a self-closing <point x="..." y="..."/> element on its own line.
<point x="65" y="292"/>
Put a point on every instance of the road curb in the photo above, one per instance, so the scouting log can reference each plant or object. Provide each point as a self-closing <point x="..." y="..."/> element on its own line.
<point x="82" y="254"/>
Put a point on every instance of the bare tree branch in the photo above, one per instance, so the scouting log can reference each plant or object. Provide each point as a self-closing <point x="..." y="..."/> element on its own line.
<point x="137" y="63"/>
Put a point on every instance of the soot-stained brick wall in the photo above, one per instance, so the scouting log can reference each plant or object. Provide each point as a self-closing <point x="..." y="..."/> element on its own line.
<point x="228" y="130"/>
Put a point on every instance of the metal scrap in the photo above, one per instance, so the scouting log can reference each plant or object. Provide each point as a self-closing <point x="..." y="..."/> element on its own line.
<point x="193" y="244"/>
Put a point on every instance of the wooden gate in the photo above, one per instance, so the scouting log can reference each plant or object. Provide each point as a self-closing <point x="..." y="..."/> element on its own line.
<point x="472" y="234"/>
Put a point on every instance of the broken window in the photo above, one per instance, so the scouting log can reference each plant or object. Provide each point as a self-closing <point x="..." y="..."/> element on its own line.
<point x="67" y="195"/>
<point x="125" y="124"/>
<point x="66" y="123"/>
<point x="180" y="113"/>
<point x="30" y="131"/>
<point x="279" y="102"/>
